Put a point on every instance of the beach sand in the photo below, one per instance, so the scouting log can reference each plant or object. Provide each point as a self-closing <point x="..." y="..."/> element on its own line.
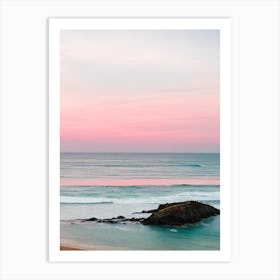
<point x="68" y="248"/>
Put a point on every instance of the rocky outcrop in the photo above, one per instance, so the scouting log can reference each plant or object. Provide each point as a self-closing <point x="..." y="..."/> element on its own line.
<point x="180" y="213"/>
<point x="172" y="214"/>
<point x="119" y="219"/>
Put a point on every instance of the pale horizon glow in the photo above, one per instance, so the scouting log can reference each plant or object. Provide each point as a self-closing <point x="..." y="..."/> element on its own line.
<point x="69" y="182"/>
<point x="140" y="91"/>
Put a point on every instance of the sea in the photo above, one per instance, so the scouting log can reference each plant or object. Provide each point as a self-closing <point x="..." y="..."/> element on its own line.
<point x="107" y="185"/>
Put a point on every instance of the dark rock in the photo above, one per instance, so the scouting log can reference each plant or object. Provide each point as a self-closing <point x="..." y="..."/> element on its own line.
<point x="91" y="220"/>
<point x="177" y="213"/>
<point x="181" y="213"/>
<point x="162" y="206"/>
<point x="110" y="221"/>
<point x="135" y="219"/>
<point x="146" y="211"/>
<point x="120" y="217"/>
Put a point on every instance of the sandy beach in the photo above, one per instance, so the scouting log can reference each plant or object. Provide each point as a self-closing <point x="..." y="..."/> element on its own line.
<point x="67" y="248"/>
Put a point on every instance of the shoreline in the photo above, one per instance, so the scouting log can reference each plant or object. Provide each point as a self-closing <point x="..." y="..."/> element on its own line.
<point x="64" y="246"/>
<point x="68" y="248"/>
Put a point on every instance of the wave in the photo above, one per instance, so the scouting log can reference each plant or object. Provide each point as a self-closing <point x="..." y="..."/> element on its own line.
<point x="200" y="196"/>
<point x="152" y="165"/>
<point x="193" y="165"/>
<point x="144" y="165"/>
<point x="84" y="200"/>
<point x="88" y="186"/>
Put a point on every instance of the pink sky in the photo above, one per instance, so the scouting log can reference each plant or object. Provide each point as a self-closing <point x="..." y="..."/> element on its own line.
<point x="140" y="91"/>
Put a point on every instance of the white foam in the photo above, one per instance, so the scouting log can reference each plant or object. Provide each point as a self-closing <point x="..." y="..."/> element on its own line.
<point x="83" y="200"/>
<point x="201" y="196"/>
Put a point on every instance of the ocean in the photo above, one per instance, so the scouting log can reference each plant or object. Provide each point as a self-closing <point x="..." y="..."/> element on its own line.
<point x="107" y="185"/>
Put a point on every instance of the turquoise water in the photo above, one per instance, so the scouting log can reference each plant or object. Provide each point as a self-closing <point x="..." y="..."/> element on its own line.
<point x="109" y="185"/>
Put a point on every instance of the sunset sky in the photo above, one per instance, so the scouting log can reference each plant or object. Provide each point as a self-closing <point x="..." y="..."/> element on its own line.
<point x="140" y="91"/>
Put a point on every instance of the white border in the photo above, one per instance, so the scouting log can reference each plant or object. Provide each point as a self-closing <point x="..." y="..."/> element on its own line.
<point x="55" y="25"/>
